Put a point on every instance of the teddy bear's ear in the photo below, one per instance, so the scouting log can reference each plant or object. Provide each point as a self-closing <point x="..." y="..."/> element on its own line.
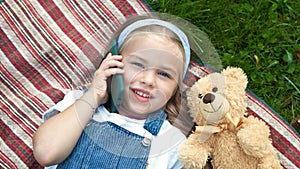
<point x="235" y="75"/>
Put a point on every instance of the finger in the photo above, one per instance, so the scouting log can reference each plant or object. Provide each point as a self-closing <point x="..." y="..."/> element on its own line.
<point x="113" y="61"/>
<point x="104" y="74"/>
<point x="114" y="64"/>
<point x="110" y="65"/>
<point x="113" y="71"/>
<point x="113" y="57"/>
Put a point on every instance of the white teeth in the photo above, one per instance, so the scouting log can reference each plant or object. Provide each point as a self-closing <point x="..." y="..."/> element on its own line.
<point x="142" y="94"/>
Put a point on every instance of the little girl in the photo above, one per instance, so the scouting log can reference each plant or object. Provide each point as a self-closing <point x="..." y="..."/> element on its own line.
<point x="153" y="60"/>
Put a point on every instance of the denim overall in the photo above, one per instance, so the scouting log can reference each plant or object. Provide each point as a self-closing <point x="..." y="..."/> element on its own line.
<point x="106" y="145"/>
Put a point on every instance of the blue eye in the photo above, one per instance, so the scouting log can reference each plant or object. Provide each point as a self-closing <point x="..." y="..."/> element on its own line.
<point x="164" y="74"/>
<point x="138" y="64"/>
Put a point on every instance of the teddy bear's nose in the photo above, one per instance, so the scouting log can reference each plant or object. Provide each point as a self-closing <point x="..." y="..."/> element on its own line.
<point x="208" y="98"/>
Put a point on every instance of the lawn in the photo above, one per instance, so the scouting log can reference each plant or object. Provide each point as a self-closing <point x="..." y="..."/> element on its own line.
<point x="260" y="36"/>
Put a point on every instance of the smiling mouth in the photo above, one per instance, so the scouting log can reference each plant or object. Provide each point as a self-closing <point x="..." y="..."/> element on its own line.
<point x="142" y="94"/>
<point x="213" y="111"/>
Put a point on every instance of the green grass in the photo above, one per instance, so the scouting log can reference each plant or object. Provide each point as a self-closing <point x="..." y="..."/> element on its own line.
<point x="260" y="36"/>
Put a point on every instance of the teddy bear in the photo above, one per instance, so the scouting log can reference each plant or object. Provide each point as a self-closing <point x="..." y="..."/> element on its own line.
<point x="224" y="133"/>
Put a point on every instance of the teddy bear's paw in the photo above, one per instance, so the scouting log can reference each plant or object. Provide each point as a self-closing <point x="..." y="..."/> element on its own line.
<point x="269" y="166"/>
<point x="192" y="155"/>
<point x="256" y="150"/>
<point x="189" y="164"/>
<point x="270" y="161"/>
<point x="193" y="165"/>
<point x="191" y="161"/>
<point x="253" y="138"/>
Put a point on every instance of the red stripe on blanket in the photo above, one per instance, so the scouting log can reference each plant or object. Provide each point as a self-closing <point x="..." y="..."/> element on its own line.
<point x="67" y="27"/>
<point x="94" y="30"/>
<point x="56" y="14"/>
<point x="24" y="35"/>
<point x="5" y="159"/>
<point x="60" y="49"/>
<point x="17" y="91"/>
<point x="144" y="6"/>
<point x="105" y="16"/>
<point x="20" y="149"/>
<point x="191" y="78"/>
<point x="24" y="67"/>
<point x="85" y="19"/>
<point x="27" y="38"/>
<point x="110" y="17"/>
<point x="19" y="117"/>
<point x="16" y="144"/>
<point x="124" y="7"/>
<point x="286" y="148"/>
<point x="56" y="44"/>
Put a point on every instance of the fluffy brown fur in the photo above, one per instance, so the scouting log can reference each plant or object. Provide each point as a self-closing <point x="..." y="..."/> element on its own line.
<point x="223" y="132"/>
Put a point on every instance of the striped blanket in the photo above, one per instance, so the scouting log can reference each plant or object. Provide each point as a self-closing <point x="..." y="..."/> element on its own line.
<point x="50" y="47"/>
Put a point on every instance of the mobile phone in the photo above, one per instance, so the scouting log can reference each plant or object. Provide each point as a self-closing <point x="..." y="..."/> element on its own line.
<point x="117" y="84"/>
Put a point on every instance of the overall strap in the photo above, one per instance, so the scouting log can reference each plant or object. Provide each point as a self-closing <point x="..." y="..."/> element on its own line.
<point x="154" y="122"/>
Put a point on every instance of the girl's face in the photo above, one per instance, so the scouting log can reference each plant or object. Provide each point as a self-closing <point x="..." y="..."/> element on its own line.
<point x="152" y="68"/>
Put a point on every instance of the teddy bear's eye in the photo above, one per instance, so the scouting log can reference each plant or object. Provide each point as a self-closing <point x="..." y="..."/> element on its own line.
<point x="200" y="95"/>
<point x="215" y="89"/>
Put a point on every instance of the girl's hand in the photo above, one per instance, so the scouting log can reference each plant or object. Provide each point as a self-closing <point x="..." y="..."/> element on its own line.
<point x="111" y="65"/>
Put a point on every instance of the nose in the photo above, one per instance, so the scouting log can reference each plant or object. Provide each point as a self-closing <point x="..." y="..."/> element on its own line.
<point x="148" y="77"/>
<point x="208" y="98"/>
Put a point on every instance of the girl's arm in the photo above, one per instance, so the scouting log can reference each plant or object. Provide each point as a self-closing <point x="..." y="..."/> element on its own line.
<point x="55" y="138"/>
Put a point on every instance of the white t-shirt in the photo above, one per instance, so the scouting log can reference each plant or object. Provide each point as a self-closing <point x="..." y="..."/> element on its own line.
<point x="164" y="146"/>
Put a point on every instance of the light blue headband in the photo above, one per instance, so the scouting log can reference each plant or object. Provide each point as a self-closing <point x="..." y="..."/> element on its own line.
<point x="173" y="28"/>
